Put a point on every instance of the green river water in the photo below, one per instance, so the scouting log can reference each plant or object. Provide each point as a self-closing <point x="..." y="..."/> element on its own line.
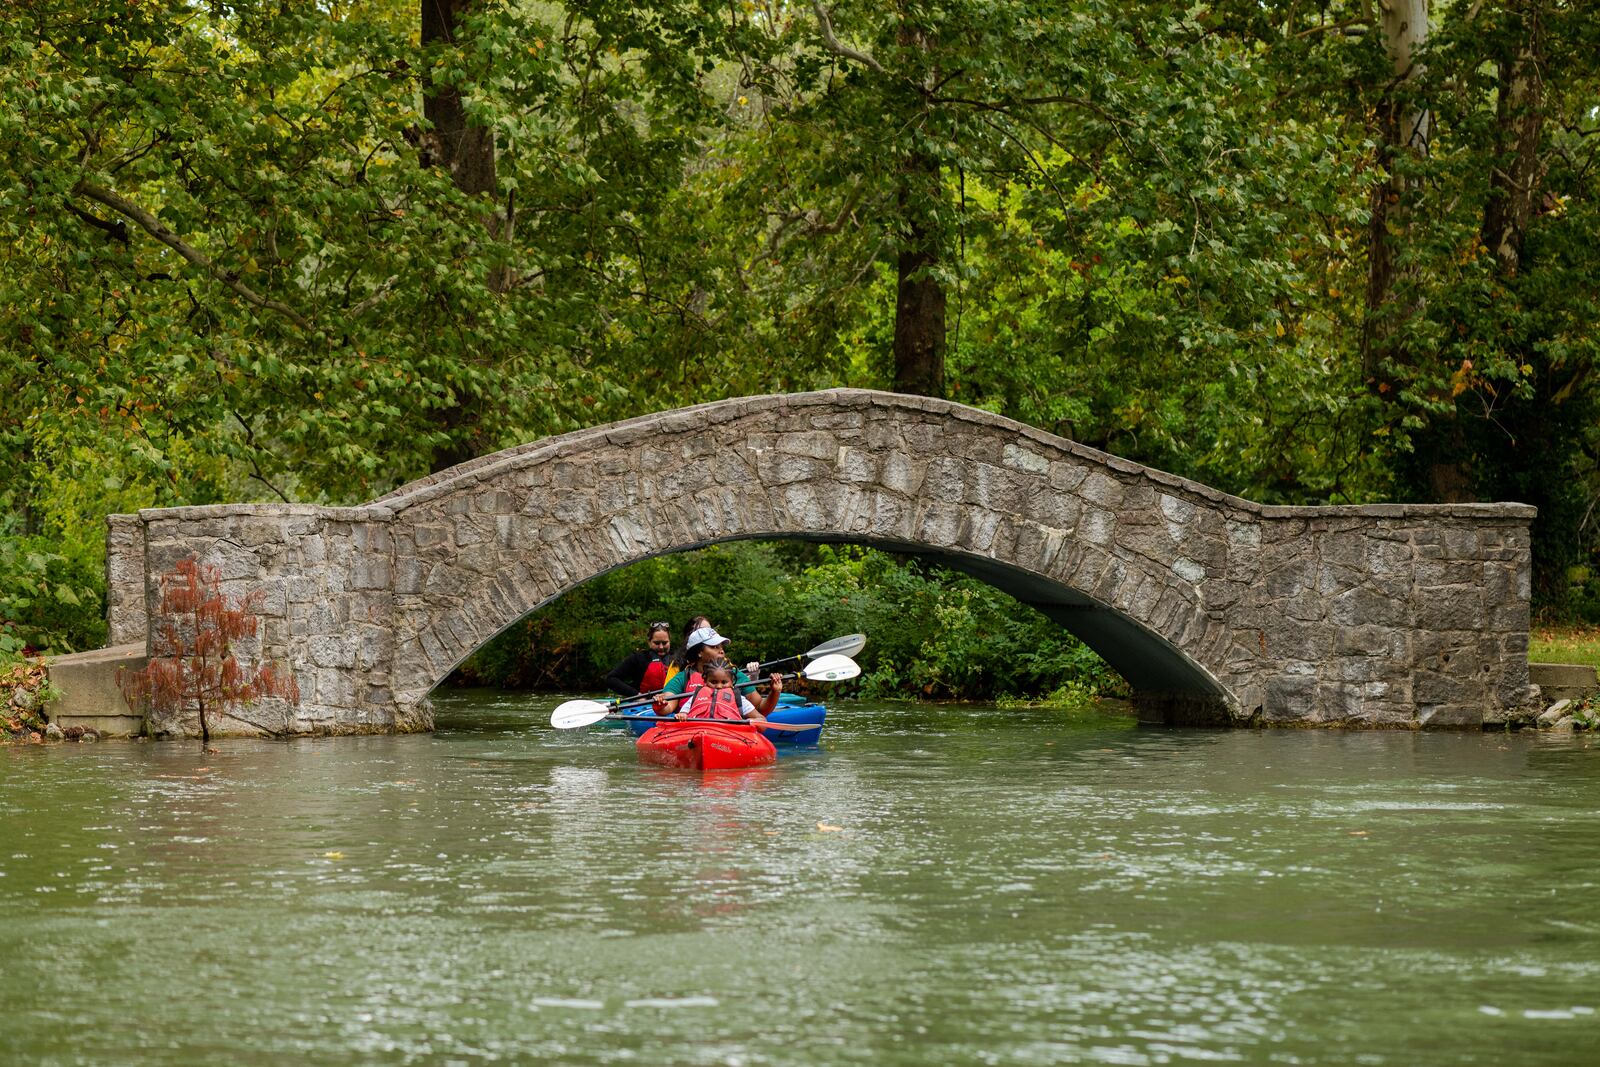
<point x="984" y="887"/>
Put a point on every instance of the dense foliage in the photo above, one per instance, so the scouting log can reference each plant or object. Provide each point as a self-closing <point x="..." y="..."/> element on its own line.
<point x="1306" y="252"/>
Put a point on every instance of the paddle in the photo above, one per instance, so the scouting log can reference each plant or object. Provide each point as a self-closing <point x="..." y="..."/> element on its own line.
<point x="574" y="713"/>
<point x="764" y="724"/>
<point x="848" y="645"/>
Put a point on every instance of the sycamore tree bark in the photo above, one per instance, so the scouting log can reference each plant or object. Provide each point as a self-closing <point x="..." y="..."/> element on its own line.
<point x="1405" y="132"/>
<point x="1403" y="129"/>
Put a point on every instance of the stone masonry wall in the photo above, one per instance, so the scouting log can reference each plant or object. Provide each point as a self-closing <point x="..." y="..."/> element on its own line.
<point x="126" y="616"/>
<point x="1390" y="615"/>
<point x="326" y="609"/>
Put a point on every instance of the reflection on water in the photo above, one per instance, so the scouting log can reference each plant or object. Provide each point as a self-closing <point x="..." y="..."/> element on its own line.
<point x="935" y="884"/>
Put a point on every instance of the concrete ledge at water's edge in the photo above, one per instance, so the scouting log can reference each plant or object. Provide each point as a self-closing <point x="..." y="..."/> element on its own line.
<point x="1564" y="681"/>
<point x="90" y="697"/>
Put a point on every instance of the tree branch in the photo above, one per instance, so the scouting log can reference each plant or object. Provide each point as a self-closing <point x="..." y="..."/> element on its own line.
<point x="118" y="229"/>
<point x="377" y="294"/>
<point x="255" y="462"/>
<point x="152" y="225"/>
<point x="833" y="43"/>
<point x="1348" y="28"/>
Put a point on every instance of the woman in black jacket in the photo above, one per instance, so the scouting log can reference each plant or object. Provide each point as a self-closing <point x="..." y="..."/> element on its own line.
<point x="627" y="677"/>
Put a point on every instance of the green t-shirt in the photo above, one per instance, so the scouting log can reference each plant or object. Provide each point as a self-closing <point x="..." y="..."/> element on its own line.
<point x="680" y="681"/>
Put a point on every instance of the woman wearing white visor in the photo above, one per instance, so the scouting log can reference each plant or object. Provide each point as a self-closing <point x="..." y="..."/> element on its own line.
<point x="704" y="647"/>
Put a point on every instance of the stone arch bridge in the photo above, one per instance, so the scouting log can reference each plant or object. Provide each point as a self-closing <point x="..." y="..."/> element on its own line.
<point x="1215" y="609"/>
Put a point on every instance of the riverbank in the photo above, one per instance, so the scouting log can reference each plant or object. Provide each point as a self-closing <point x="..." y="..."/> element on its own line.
<point x="26" y="689"/>
<point x="1564" y="643"/>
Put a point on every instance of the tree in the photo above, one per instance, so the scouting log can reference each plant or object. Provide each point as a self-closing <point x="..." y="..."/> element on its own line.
<point x="1404" y="130"/>
<point x="192" y="667"/>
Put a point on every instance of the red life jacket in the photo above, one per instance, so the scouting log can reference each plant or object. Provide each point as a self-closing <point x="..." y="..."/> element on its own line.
<point x="711" y="703"/>
<point x="655" y="677"/>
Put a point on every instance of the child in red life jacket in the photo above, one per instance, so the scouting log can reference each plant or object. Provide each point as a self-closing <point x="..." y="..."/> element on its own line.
<point x="717" y="699"/>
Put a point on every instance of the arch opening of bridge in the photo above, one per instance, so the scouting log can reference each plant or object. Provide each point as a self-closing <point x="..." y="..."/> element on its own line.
<point x="1147" y="662"/>
<point x="1214" y="608"/>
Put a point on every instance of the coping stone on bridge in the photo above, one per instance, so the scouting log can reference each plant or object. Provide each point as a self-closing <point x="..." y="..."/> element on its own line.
<point x="1214" y="608"/>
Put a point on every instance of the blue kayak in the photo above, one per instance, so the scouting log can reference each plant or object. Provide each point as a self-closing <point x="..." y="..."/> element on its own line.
<point x="792" y="709"/>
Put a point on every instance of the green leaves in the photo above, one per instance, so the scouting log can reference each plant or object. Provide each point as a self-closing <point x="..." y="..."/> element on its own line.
<point x="46" y="601"/>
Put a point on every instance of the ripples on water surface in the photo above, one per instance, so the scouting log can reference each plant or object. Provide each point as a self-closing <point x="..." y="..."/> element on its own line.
<point x="1003" y="887"/>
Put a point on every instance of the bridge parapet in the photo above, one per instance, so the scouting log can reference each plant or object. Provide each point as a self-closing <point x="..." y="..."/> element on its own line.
<point x="1213" y="607"/>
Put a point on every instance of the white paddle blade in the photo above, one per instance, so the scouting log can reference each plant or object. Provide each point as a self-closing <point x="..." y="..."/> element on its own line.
<point x="831" y="669"/>
<point x="848" y="645"/>
<point x="575" y="713"/>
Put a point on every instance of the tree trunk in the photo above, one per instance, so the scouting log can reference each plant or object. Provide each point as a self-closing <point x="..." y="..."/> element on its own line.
<point x="468" y="152"/>
<point x="919" y="311"/>
<point x="1403" y="128"/>
<point x="1519" y="127"/>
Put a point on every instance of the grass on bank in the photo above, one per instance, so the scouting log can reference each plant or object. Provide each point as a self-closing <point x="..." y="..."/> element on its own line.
<point x="1564" y="643"/>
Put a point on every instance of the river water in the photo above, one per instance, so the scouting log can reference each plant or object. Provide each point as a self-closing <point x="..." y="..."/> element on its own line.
<point x="951" y="885"/>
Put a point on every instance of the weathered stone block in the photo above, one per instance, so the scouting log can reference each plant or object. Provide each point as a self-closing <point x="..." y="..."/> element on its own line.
<point x="1290" y="698"/>
<point x="1366" y="607"/>
<point x="1431" y="687"/>
<point x="1223" y="595"/>
<point x="1097" y="527"/>
<point x="572" y="509"/>
<point x="1150" y="541"/>
<point x="1386" y="642"/>
<point x="1024" y="459"/>
<point x="1462" y="544"/>
<point x="1450" y="716"/>
<point x="1102" y="490"/>
<point x="1175" y="509"/>
<point x="857" y="466"/>
<point x="902" y="474"/>
<point x="995" y="488"/>
<point x="1454" y="607"/>
<point x="1289" y="639"/>
<point x="431" y="536"/>
<point x="939" y="524"/>
<point x="372" y="573"/>
<point x="814" y="443"/>
<point x="274" y="602"/>
<point x="1289" y="573"/>
<point x="1067" y="477"/>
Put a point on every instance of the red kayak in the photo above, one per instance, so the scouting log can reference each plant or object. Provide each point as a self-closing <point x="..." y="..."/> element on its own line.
<point x="706" y="745"/>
